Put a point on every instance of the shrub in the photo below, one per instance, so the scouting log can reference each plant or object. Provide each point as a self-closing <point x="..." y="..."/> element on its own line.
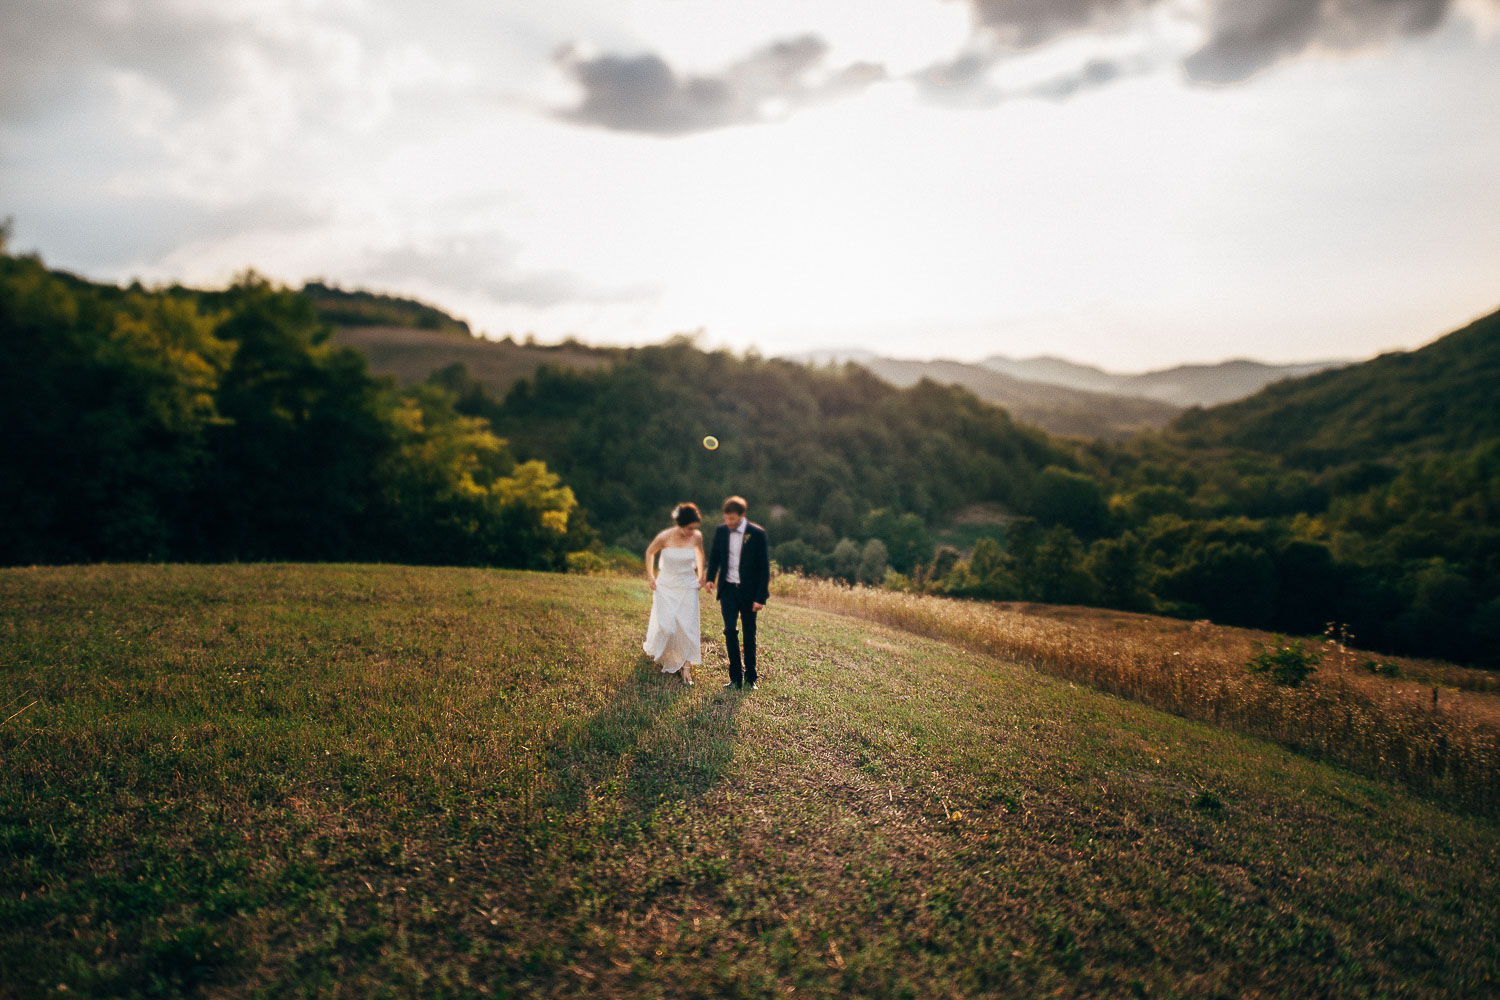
<point x="1383" y="669"/>
<point x="587" y="563"/>
<point x="610" y="561"/>
<point x="1288" y="664"/>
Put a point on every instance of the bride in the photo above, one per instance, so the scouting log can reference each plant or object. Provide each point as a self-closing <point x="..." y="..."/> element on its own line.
<point x="672" y="634"/>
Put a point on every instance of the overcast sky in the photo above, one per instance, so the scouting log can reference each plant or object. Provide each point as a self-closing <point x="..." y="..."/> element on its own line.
<point x="1132" y="183"/>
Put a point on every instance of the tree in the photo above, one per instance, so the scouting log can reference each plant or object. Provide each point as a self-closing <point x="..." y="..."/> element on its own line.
<point x="1023" y="537"/>
<point x="986" y="575"/>
<point x="846" y="558"/>
<point x="1059" y="572"/>
<point x="904" y="535"/>
<point x="872" y="563"/>
<point x="1114" y="565"/>
<point x="1071" y="499"/>
<point x="223" y="425"/>
<point x="943" y="562"/>
<point x="1232" y="582"/>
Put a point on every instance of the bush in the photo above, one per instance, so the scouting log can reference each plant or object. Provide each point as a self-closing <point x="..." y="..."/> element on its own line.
<point x="587" y="563"/>
<point x="1287" y="664"/>
<point x="1383" y="669"/>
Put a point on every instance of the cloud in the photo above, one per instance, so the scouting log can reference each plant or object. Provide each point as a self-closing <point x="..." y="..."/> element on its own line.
<point x="487" y="264"/>
<point x="1237" y="39"/>
<point x="964" y="81"/>
<point x="643" y="93"/>
<point x="1028" y="23"/>
<point x="1094" y="73"/>
<point x="1247" y="36"/>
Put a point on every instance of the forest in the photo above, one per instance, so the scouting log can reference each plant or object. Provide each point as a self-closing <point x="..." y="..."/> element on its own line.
<point x="178" y="425"/>
<point x="187" y="425"/>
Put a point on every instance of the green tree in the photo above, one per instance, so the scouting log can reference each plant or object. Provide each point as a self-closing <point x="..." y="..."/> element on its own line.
<point x="1072" y="499"/>
<point x="846" y="556"/>
<point x="1059" y="574"/>
<point x="943" y="562"/>
<point x="872" y="563"/>
<point x="904" y="535"/>
<point x="1118" y="573"/>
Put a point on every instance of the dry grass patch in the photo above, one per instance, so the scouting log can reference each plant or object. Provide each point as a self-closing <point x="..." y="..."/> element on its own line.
<point x="1450" y="749"/>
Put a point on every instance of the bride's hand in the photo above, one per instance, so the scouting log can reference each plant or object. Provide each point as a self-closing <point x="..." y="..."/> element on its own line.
<point x="651" y="580"/>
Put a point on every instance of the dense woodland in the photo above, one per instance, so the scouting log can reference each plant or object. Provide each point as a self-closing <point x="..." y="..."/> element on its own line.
<point x="179" y="425"/>
<point x="176" y="424"/>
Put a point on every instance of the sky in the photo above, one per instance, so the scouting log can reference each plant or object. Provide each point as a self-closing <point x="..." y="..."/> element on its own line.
<point x="1127" y="183"/>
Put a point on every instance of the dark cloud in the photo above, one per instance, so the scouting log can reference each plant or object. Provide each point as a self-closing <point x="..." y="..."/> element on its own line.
<point x="643" y="93"/>
<point x="1243" y="37"/>
<point x="1028" y="23"/>
<point x="1246" y="36"/>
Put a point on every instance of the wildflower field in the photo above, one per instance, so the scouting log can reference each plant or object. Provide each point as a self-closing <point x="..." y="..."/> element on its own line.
<point x="350" y="781"/>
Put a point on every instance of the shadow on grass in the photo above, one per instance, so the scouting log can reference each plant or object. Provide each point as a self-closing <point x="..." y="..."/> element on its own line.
<point x="655" y="741"/>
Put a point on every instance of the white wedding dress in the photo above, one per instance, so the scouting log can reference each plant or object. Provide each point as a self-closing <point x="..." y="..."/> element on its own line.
<point x="672" y="633"/>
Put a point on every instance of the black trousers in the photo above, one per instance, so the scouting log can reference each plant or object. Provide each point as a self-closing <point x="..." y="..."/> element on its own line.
<point x="736" y="607"/>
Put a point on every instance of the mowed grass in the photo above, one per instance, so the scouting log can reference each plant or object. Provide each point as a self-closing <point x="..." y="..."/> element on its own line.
<point x="278" y="781"/>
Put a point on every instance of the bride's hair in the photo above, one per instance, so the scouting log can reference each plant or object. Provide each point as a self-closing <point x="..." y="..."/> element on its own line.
<point x="685" y="514"/>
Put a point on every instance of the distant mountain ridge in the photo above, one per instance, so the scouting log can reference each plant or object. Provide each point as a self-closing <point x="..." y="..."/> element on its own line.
<point x="1180" y="385"/>
<point x="1440" y="397"/>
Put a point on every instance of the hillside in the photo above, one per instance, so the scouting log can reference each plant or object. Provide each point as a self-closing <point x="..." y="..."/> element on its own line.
<point x="342" y="307"/>
<point x="1439" y="398"/>
<point x="1054" y="408"/>
<point x="1181" y="385"/>
<point x="412" y="355"/>
<point x="276" y="779"/>
<point x="825" y="445"/>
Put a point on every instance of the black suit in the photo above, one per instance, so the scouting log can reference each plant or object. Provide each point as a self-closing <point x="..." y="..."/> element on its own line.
<point x="736" y="601"/>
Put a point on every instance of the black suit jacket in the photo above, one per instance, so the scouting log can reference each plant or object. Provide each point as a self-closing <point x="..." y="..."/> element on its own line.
<point x="755" y="562"/>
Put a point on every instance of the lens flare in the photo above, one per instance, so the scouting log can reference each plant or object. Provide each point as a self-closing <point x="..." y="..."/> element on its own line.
<point x="710" y="442"/>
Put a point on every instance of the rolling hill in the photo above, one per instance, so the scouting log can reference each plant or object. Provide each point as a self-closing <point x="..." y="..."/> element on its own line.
<point x="1439" y="398"/>
<point x="412" y="355"/>
<point x="264" y="780"/>
<point x="1056" y="409"/>
<point x="1181" y="385"/>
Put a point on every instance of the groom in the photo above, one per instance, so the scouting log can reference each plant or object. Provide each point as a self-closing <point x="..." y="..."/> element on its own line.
<point x="739" y="566"/>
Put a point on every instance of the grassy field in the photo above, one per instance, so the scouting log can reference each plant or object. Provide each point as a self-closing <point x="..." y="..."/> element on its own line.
<point x="1434" y="728"/>
<point x="383" y="781"/>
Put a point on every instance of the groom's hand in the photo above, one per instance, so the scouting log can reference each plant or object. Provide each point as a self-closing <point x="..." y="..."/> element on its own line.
<point x="756" y="605"/>
<point x="709" y="586"/>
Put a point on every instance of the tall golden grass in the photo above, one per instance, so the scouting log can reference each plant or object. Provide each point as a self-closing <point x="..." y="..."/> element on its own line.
<point x="1200" y="674"/>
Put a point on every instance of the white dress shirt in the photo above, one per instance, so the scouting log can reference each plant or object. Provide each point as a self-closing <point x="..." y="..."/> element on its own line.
<point x="736" y="546"/>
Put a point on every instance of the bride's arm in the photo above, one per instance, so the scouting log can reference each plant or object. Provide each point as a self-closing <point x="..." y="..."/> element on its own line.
<point x="699" y="559"/>
<point x="651" y="551"/>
